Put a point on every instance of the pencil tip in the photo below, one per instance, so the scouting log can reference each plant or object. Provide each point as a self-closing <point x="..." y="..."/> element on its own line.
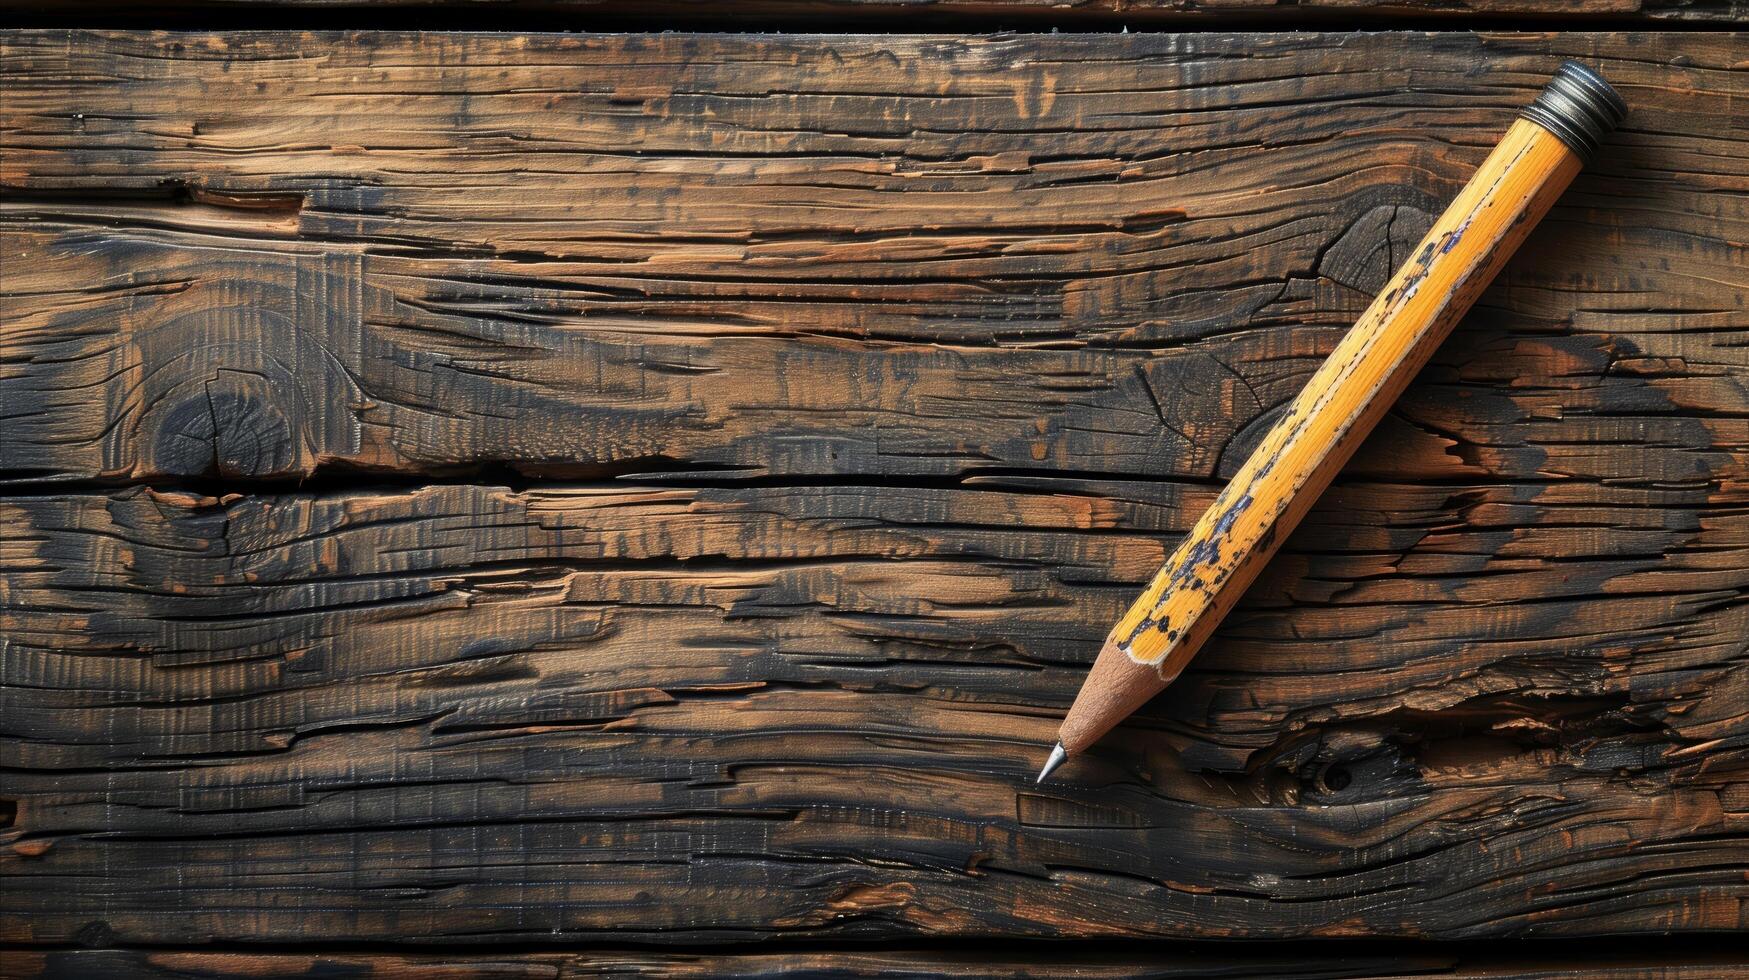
<point x="1057" y="758"/>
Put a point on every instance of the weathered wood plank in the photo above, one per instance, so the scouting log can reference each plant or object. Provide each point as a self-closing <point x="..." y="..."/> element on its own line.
<point x="256" y="256"/>
<point x="914" y="15"/>
<point x="933" y="346"/>
<point x="1028" y="960"/>
<point x="466" y="712"/>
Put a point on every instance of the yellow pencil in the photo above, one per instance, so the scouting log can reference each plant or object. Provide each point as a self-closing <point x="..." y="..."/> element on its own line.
<point x="1392" y="340"/>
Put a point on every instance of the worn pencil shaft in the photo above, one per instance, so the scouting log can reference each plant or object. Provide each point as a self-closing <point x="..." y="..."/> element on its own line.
<point x="1321" y="428"/>
<point x="1353" y="388"/>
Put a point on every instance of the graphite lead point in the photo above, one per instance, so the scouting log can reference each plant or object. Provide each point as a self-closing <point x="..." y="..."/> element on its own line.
<point x="1058" y="756"/>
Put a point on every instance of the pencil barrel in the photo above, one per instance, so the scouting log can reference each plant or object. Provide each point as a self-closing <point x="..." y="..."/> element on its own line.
<point x="1348" y="394"/>
<point x="1390" y="342"/>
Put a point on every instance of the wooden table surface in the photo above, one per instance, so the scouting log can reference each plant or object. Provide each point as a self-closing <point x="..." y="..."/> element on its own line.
<point x="544" y="504"/>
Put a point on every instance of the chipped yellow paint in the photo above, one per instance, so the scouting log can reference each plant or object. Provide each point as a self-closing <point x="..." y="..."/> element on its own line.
<point x="1346" y="397"/>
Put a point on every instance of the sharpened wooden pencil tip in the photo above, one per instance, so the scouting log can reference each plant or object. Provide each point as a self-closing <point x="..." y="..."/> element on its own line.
<point x="1058" y="756"/>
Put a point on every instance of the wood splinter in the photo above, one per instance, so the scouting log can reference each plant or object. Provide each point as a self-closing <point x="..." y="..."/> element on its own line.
<point x="1516" y="185"/>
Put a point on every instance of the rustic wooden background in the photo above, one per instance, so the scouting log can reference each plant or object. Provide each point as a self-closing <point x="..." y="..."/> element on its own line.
<point x="505" y="493"/>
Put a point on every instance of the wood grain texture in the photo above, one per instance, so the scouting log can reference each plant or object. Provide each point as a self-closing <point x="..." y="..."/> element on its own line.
<point x="842" y="391"/>
<point x="1040" y="960"/>
<point x="788" y="257"/>
<point x="463" y="711"/>
<point x="915" y="15"/>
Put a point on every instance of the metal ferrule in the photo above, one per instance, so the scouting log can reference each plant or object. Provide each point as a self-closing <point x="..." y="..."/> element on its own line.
<point x="1579" y="107"/>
